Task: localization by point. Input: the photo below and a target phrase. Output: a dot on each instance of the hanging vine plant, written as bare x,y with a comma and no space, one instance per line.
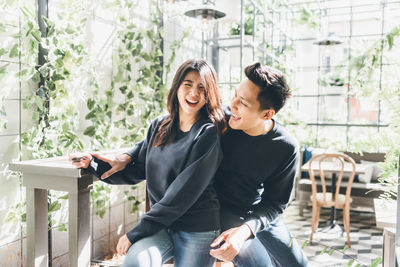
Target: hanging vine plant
53,103
140,77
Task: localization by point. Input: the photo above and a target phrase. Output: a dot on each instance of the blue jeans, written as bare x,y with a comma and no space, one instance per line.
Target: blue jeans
187,249
269,247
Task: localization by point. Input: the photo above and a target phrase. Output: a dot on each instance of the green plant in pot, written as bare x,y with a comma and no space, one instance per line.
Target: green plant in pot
248,23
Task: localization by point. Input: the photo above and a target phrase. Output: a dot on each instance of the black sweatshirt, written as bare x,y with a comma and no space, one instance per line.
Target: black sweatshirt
179,180
256,176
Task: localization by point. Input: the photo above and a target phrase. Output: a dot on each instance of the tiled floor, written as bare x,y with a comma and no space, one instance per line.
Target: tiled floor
327,249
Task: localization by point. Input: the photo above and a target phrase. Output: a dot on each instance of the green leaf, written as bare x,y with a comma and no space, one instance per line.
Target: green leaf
22,73
324,250
376,262
90,131
291,241
350,263
304,244
101,213
37,35
14,51
123,89
52,86
11,217
65,126
61,228
56,205
3,70
90,115
135,52
146,57
149,34
90,103
3,51
130,95
44,70
2,27
389,38
66,196
57,77
59,52
344,249
331,252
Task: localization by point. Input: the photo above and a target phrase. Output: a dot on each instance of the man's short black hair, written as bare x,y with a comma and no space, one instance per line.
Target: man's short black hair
274,90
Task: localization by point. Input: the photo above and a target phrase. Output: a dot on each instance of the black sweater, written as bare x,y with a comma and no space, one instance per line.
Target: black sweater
179,180
256,176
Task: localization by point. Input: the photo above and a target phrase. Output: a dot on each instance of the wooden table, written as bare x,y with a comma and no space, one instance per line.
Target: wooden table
56,174
333,169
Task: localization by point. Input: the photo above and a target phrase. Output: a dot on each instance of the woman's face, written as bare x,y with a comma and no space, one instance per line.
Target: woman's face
191,95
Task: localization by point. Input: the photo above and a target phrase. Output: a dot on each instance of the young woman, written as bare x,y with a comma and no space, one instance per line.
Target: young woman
178,160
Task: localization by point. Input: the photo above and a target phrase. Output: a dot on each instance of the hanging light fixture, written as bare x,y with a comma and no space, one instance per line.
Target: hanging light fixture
207,13
327,38
327,41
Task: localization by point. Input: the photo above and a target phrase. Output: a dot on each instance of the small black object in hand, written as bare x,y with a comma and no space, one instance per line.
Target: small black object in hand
76,159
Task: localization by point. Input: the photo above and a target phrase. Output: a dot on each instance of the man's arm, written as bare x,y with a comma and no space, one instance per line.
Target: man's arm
276,195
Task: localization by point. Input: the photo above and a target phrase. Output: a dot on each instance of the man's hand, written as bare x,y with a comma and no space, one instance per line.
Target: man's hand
234,239
117,163
123,245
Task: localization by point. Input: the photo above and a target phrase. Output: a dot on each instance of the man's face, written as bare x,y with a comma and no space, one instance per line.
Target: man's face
245,108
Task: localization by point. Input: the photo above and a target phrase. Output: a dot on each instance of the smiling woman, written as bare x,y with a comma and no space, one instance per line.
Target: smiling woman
183,219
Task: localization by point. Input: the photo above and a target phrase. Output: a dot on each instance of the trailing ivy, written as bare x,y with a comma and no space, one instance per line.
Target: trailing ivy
140,78
54,104
362,69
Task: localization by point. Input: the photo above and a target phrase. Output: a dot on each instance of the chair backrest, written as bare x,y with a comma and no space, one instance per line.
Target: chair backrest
337,163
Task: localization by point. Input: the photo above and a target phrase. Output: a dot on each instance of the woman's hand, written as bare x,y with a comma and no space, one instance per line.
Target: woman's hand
117,163
123,245
80,159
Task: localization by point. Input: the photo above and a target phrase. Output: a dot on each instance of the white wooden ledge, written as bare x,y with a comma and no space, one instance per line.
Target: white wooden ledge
56,174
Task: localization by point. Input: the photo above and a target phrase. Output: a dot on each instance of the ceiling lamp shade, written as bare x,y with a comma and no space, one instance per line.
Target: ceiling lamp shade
207,13
330,39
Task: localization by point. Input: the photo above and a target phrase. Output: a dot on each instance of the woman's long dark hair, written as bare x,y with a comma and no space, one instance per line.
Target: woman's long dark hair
212,109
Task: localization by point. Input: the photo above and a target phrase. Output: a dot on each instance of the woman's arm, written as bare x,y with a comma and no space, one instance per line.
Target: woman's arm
187,187
134,172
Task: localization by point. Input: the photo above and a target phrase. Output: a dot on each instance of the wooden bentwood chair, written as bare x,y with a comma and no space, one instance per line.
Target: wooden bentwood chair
328,199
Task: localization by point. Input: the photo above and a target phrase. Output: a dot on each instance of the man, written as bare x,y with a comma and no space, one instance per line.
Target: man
255,179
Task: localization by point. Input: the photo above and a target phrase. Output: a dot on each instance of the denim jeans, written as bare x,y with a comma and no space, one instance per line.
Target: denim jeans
189,249
269,247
